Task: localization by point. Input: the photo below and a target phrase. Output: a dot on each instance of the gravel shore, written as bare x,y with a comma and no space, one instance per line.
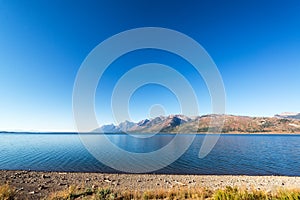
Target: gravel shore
36,185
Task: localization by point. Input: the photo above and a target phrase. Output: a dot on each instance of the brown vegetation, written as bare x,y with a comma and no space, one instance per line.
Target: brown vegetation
228,193
244,124
6,192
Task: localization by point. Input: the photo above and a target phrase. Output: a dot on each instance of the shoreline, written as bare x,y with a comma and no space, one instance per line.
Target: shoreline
37,184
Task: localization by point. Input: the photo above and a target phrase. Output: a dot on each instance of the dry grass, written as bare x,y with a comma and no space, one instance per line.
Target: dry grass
106,193
6,192
237,194
288,194
71,193
229,193
179,193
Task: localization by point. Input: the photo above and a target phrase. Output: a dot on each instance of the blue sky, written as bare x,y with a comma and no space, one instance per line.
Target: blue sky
255,45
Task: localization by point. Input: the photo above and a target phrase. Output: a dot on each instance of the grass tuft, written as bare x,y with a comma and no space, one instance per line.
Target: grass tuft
7,192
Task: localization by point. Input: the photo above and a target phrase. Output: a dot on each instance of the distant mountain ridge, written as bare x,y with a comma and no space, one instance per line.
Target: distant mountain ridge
201,124
157,124
288,115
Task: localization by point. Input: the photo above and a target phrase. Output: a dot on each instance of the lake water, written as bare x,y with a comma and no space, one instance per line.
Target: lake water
233,154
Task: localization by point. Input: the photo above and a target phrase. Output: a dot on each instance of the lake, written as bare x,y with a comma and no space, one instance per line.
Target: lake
233,154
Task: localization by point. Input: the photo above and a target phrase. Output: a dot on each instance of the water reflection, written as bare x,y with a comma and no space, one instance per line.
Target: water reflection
233,154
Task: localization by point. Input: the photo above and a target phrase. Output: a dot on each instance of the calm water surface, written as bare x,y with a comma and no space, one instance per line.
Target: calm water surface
233,154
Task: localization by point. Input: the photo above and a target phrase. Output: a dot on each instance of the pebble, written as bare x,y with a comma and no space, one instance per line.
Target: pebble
45,176
42,187
94,187
107,181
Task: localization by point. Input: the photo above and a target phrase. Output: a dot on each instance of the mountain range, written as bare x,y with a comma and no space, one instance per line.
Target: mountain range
288,115
280,123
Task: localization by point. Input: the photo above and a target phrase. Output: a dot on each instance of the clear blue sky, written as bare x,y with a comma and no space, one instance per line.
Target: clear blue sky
255,44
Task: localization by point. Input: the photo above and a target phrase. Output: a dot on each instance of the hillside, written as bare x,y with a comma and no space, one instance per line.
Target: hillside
288,115
201,124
